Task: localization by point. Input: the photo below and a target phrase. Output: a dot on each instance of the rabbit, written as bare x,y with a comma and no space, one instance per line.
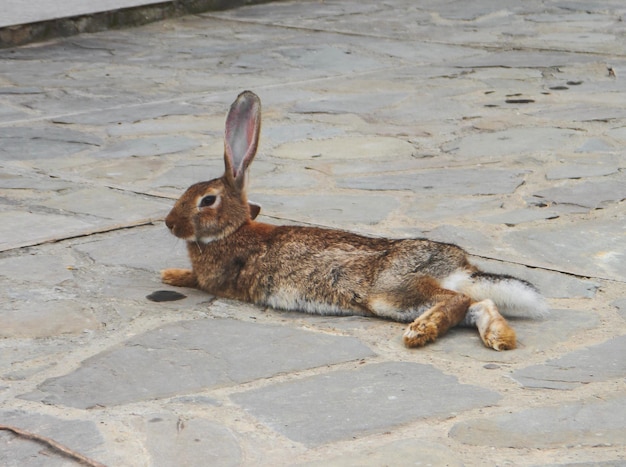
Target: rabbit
430,285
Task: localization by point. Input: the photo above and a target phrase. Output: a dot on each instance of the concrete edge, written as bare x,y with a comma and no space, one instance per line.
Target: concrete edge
17,35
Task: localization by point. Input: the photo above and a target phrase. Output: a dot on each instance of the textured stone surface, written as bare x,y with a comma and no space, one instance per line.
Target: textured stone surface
45,318
591,248
20,228
155,146
190,356
592,194
448,181
329,209
592,423
596,363
499,127
419,451
173,440
78,435
353,403
141,247
532,336
515,141
551,283
109,204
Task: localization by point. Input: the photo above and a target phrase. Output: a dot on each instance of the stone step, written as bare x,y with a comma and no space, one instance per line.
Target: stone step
25,22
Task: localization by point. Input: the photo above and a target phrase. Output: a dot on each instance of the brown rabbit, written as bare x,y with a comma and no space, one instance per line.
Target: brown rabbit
330,272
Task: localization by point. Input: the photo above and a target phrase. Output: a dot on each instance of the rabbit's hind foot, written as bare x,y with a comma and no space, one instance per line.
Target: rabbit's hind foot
435,322
494,330
179,277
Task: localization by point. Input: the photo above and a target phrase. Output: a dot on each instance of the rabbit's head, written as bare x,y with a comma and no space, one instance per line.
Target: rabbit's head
212,210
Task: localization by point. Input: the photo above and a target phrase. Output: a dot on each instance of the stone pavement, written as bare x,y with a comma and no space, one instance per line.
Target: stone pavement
497,126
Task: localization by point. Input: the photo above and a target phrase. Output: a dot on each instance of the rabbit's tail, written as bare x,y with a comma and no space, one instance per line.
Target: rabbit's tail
514,297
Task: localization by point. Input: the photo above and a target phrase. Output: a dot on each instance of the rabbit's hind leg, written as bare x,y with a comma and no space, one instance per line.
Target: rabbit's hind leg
494,331
179,277
448,311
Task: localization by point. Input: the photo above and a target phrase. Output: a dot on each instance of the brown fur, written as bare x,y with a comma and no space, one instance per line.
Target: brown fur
312,269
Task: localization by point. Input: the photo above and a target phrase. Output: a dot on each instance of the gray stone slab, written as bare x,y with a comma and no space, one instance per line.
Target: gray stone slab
28,317
589,423
354,148
590,194
343,210
191,356
521,216
442,208
21,228
588,248
512,141
442,181
576,167
184,175
600,362
44,269
127,114
356,103
469,239
582,169
170,125
551,284
80,435
369,399
403,452
21,359
172,440
584,113
134,174
284,132
106,203
526,59
420,53
298,178
121,284
153,146
151,248
32,143
30,182
288,10
331,58
532,336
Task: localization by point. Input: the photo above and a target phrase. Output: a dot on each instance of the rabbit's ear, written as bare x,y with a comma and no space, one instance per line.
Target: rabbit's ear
243,125
255,209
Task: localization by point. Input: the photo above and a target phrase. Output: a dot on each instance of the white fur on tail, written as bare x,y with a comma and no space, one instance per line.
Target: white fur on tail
513,297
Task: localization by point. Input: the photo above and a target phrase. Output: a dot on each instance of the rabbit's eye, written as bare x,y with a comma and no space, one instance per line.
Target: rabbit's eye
208,201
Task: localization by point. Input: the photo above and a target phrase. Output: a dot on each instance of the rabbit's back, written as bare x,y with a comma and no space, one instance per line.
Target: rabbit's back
317,270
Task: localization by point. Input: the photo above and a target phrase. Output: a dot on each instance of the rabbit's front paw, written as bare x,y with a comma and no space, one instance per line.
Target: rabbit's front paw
179,277
419,333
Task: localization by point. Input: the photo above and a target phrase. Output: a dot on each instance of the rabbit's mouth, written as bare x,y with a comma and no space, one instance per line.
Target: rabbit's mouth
179,229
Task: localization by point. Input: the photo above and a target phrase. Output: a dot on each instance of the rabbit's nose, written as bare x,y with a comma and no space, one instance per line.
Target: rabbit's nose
169,222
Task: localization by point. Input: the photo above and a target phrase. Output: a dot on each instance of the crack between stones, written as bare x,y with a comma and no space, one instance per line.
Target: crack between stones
546,268
193,97
116,228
